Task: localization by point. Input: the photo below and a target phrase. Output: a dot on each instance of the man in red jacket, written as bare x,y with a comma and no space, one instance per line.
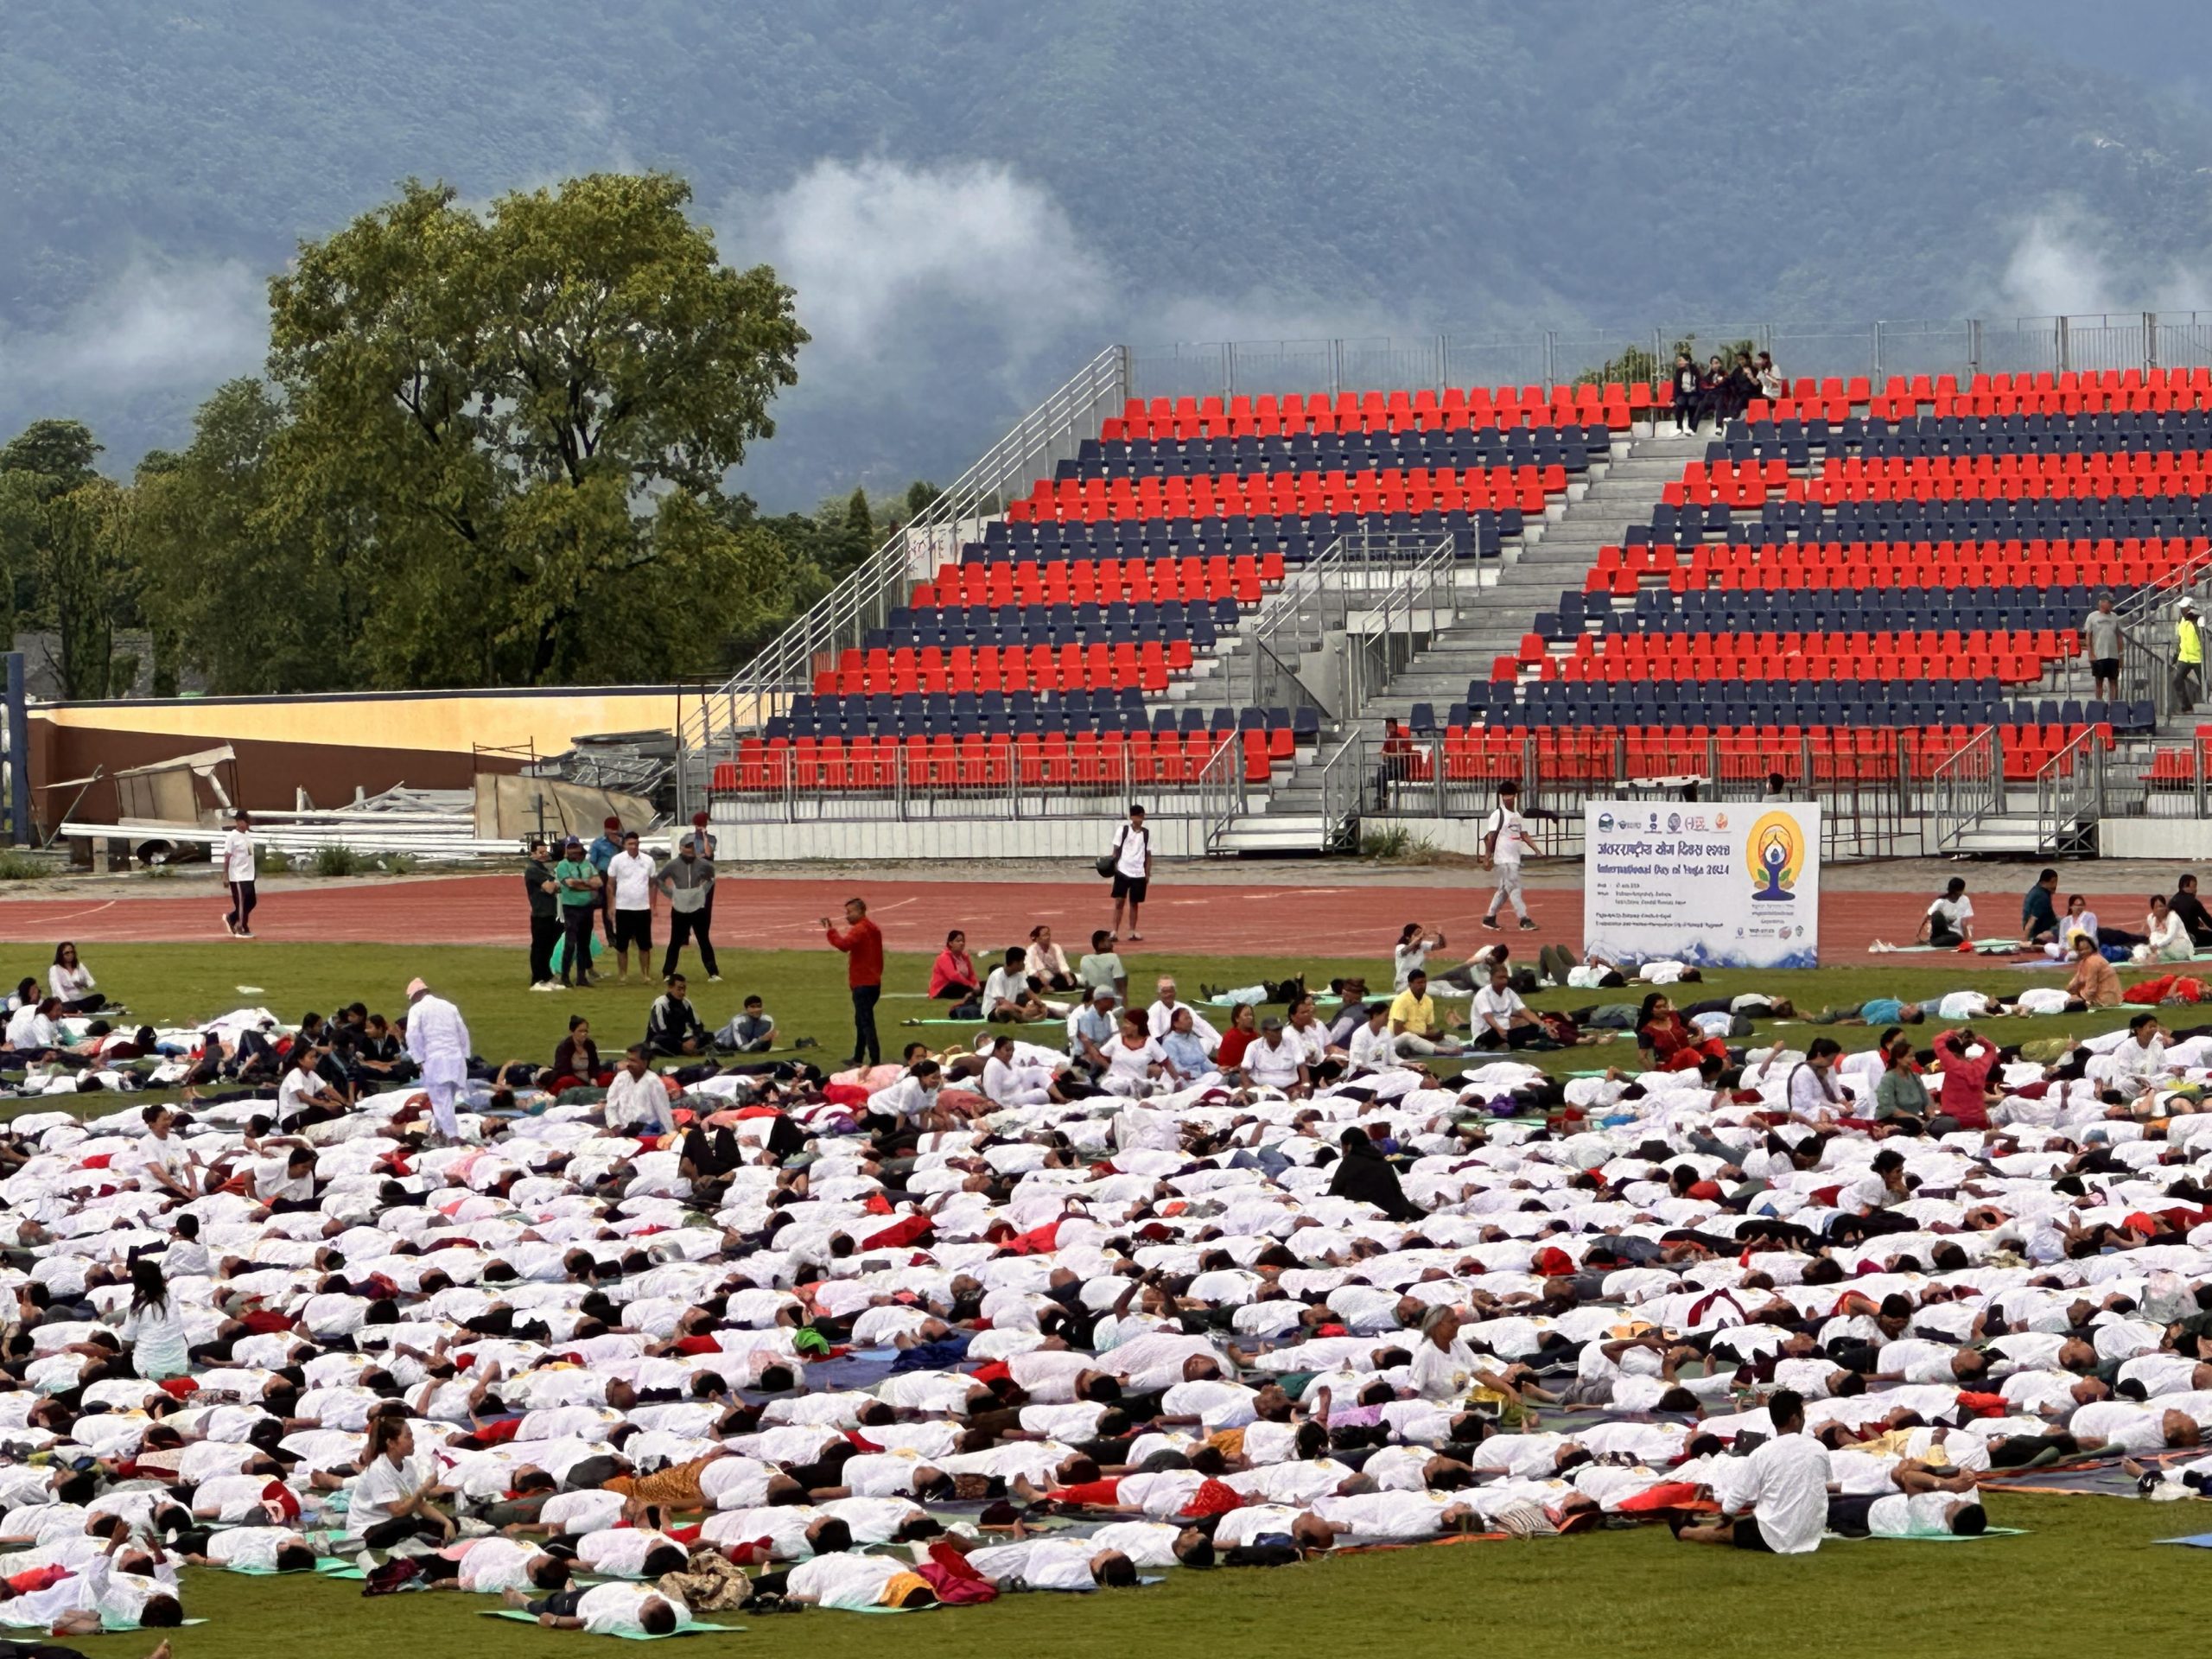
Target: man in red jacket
862,943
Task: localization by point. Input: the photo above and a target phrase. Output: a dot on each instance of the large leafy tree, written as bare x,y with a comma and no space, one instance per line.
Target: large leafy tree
511,428
65,542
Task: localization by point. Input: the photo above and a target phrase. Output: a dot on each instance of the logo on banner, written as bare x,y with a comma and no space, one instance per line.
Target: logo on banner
1777,855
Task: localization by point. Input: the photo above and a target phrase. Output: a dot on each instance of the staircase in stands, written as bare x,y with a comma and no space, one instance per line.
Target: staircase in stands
1528,577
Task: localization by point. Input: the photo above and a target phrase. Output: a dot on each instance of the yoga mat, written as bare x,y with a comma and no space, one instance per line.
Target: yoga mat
2195,1541
518,1614
1947,1537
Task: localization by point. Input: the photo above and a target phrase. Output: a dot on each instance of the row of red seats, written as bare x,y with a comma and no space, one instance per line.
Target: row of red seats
2058,464
1090,761
1666,645
1233,495
1605,754
1893,565
1615,406
2012,667
1147,664
1102,582
1735,483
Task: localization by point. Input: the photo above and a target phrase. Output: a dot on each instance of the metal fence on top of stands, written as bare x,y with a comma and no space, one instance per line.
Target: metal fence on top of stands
1867,793
1874,349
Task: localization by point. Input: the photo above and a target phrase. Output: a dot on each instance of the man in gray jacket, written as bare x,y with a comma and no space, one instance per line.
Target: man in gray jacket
689,880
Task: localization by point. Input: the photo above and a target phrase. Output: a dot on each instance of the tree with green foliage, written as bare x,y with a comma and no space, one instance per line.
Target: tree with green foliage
65,535
510,429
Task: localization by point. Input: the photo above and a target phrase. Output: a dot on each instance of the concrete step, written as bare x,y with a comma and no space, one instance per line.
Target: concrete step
1274,833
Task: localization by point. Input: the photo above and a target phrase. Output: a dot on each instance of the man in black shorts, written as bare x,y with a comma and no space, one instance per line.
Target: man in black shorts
1132,857
2100,644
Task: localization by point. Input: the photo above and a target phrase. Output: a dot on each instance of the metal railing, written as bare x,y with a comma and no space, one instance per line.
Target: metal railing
1343,624
1052,432
1867,794
2070,797
1968,788
1003,782
1220,792
2158,779
1873,350
1342,784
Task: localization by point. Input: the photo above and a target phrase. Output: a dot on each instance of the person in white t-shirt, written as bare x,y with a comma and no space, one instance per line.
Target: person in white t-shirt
1778,1502
1132,857
608,1609
1502,1019
1411,951
238,871
630,878
1505,837
1950,920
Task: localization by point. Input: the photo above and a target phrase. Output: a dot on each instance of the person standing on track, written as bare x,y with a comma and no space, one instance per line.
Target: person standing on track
1505,837
581,883
238,870
437,1041
602,853
689,880
544,895
862,943
1132,870
630,876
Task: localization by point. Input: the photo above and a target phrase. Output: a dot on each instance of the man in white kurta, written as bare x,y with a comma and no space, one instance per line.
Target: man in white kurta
437,1040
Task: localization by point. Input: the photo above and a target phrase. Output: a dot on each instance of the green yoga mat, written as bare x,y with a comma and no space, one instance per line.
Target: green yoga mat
1930,1537
518,1614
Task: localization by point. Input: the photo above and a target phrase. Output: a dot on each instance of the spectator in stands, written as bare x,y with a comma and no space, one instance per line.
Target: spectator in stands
2186,905
1743,386
1771,385
2188,658
1046,962
1132,870
1712,392
952,976
2039,910
1689,393
1950,920
2101,642
1777,787
862,943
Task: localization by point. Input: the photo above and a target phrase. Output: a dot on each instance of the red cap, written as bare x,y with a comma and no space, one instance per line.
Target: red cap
698,820
612,824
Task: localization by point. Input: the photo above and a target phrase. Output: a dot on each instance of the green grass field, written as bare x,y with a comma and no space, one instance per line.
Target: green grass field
2088,1561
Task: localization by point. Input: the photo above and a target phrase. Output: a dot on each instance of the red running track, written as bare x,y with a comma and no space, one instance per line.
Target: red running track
1194,919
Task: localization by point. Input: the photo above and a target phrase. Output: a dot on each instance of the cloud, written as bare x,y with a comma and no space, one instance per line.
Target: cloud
2063,263
157,326
878,249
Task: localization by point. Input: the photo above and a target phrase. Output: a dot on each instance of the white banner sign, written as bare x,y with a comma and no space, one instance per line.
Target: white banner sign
1713,884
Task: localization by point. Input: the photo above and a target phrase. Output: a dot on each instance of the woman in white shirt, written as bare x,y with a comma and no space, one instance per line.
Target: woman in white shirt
1046,962
1415,943
71,980
391,1500
1373,1048
2168,935
31,1031
153,1328
1132,1061
1950,920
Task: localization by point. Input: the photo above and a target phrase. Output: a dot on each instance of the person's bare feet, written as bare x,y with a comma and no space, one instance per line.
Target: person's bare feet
161,1652
514,1597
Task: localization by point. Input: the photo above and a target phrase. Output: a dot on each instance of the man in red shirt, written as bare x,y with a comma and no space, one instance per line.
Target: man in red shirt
1965,1099
862,943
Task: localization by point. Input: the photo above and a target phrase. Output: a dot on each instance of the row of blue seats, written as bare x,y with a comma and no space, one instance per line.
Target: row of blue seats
1866,610
2021,711
1952,434
1330,452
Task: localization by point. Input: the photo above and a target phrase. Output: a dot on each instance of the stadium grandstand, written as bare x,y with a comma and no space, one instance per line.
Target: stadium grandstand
1279,618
